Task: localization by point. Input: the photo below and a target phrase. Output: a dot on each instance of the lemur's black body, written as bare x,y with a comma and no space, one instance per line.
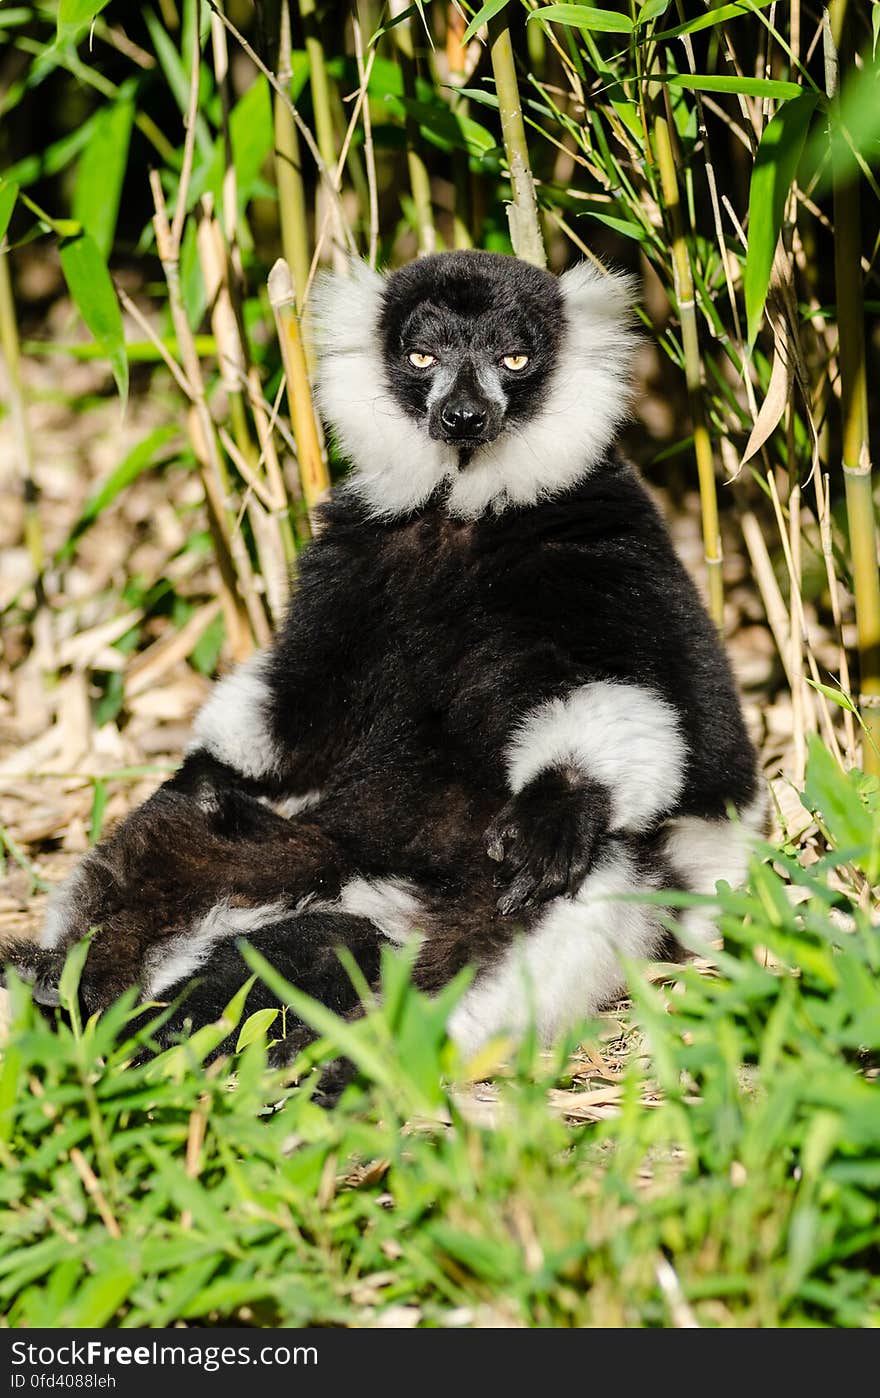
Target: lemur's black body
391,709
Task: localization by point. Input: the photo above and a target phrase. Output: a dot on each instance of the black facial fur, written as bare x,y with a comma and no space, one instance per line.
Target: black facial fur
468,311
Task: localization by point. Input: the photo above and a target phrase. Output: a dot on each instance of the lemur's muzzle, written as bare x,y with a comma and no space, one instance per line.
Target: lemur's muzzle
465,416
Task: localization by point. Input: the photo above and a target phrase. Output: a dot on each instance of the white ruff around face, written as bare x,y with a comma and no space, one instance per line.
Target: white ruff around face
397,466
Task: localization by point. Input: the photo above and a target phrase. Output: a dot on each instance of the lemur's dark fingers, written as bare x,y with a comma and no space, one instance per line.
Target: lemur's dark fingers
514,900
501,833
494,846
46,991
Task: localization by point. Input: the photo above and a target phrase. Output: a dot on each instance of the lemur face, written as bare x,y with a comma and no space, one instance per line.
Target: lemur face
469,342
471,380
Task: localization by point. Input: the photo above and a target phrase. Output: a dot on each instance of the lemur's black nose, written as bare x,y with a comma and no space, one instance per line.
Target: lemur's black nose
463,420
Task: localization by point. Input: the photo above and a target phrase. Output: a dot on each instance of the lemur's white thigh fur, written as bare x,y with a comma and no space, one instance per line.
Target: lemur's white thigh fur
708,852
61,912
567,967
178,958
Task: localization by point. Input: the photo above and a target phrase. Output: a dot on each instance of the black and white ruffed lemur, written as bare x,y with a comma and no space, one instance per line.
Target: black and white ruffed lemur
496,704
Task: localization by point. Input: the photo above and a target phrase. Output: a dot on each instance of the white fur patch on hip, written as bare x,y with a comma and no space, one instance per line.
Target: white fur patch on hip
178,958
707,852
568,967
625,736
390,904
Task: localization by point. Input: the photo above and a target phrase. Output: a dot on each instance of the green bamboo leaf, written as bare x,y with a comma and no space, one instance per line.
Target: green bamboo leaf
344,1036
833,794
100,173
11,1076
257,1024
410,12
651,9
99,806
443,127
88,280
774,170
251,133
68,986
837,696
489,11
720,15
8,196
855,128
715,82
585,17
74,15
177,75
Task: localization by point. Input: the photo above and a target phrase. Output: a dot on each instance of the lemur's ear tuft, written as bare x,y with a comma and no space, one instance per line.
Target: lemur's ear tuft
594,293
344,309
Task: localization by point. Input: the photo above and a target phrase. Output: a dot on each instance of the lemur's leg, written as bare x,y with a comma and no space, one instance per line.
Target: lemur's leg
171,868
562,964
209,838
206,967
608,758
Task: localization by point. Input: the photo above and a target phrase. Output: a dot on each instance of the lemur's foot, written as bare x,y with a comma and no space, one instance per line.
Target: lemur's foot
544,840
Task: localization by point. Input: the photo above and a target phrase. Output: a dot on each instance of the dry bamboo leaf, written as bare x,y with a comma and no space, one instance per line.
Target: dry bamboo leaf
773,406
151,664
81,649
182,697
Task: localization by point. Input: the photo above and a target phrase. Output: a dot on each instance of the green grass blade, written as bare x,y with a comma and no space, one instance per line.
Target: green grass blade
88,280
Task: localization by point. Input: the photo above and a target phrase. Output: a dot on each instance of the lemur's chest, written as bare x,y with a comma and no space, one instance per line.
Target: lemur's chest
437,580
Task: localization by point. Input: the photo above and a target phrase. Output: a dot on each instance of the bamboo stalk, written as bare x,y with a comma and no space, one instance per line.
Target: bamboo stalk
687,313
312,466
822,491
522,213
304,131
274,476
322,108
9,345
857,474
419,178
288,171
369,151
456,59
230,184
242,607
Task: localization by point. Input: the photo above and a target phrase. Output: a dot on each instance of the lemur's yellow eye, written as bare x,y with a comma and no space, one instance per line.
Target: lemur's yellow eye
515,361
422,361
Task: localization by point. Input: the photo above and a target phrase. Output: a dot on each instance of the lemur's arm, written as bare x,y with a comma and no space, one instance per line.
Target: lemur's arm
605,757
642,722
271,727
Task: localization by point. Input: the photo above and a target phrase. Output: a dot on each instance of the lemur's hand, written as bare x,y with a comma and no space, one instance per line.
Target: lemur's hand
545,838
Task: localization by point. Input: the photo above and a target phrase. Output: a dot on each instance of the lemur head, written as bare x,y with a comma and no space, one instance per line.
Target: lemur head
468,342
473,371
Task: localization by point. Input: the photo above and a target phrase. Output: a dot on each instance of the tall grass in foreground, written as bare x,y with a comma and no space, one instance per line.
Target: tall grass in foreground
731,1178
